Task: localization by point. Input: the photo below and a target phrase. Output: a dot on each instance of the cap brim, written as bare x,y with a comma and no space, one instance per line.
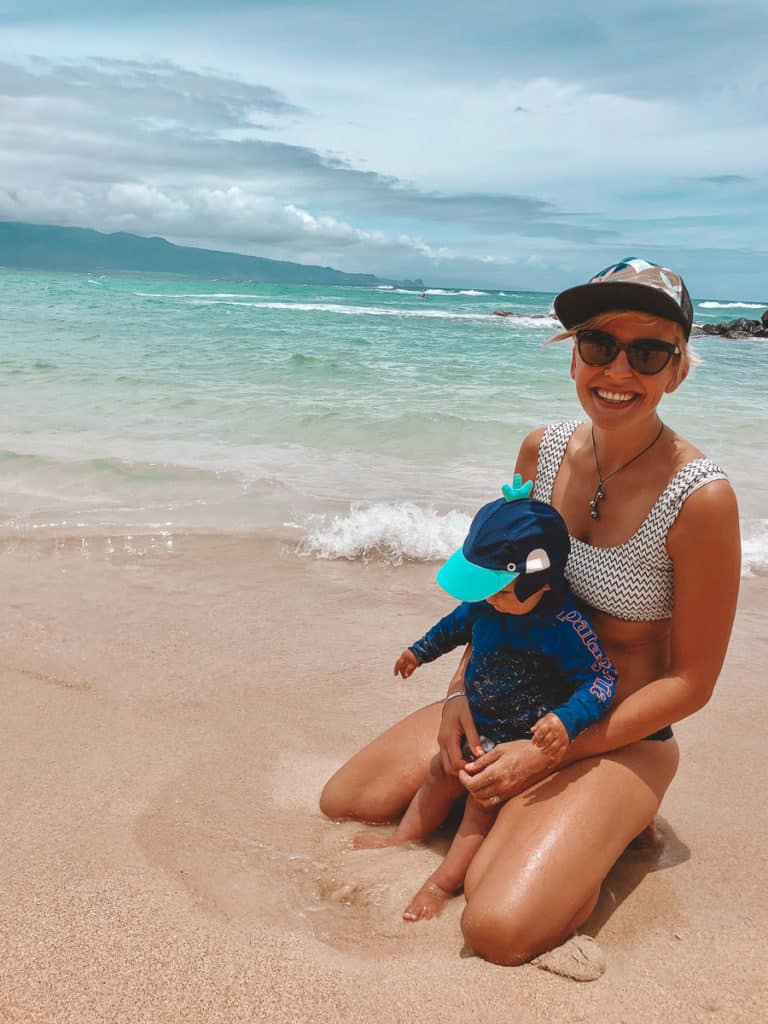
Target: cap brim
466,581
576,305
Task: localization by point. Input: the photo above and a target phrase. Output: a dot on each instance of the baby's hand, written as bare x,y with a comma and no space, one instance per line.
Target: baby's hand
406,664
550,734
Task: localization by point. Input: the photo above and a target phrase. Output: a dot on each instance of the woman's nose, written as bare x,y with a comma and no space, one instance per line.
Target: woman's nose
620,368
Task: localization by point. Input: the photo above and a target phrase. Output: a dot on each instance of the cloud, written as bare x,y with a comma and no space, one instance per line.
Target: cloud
232,217
149,137
393,144
724,179
154,93
652,50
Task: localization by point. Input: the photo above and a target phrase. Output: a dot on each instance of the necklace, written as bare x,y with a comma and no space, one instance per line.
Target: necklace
599,493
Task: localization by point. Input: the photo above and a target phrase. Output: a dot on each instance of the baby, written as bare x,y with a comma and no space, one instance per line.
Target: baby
536,668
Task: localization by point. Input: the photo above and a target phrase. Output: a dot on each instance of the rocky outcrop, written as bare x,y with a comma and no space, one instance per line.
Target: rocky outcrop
739,328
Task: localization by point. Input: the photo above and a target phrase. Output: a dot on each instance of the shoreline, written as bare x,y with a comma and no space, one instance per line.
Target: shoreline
168,725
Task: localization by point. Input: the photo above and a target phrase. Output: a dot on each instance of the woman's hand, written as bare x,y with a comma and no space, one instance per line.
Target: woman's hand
507,770
456,723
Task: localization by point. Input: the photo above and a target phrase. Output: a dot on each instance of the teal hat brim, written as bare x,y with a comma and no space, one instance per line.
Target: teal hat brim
466,581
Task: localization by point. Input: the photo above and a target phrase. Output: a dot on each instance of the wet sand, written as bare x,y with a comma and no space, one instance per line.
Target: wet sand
168,721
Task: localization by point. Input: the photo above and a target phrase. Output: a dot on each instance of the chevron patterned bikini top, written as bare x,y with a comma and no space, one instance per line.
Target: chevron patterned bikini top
632,581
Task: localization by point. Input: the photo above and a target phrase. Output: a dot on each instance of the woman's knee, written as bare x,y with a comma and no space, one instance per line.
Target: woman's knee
499,936
508,936
369,800
515,925
334,801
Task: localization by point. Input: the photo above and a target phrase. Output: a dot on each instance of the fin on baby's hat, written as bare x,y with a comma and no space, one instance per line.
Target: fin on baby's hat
518,489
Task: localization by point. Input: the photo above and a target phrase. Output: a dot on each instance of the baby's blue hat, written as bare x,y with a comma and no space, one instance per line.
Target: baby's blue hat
512,538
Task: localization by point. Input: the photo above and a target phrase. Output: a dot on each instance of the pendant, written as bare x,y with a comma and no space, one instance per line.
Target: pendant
594,504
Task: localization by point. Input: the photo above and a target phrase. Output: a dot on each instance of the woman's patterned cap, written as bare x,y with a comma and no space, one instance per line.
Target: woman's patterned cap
633,284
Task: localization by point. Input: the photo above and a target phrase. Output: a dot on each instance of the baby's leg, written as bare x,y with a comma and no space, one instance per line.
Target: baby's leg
429,808
449,877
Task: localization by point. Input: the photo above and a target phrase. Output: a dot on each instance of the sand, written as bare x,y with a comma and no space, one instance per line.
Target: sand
168,721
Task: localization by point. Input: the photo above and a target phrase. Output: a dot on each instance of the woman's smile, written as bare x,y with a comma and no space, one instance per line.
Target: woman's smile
612,397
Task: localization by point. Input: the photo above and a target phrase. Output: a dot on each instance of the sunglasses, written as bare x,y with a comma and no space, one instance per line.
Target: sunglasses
646,355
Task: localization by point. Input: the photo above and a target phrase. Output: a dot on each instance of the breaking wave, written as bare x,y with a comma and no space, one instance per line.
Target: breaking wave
403,532
406,532
731,305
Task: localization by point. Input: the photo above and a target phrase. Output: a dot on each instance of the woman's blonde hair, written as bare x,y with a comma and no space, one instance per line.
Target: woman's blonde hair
684,362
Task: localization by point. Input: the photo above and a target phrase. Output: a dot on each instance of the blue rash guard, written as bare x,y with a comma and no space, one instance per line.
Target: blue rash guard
524,666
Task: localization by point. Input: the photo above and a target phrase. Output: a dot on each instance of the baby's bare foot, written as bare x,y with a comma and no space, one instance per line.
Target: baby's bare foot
370,841
428,902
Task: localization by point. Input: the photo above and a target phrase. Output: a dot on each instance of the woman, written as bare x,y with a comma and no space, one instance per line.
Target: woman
656,560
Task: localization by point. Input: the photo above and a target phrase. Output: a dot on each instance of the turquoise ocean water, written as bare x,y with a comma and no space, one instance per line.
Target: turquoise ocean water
364,422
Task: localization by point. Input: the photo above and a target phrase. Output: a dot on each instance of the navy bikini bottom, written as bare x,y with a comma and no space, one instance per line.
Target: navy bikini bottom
663,734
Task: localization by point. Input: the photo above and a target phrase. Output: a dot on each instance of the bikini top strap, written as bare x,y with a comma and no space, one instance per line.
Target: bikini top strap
690,478
551,452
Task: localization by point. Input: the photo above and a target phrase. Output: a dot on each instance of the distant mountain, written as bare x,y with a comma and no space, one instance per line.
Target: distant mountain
42,247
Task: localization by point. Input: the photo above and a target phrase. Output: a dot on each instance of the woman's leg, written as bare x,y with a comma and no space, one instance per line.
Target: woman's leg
378,783
537,876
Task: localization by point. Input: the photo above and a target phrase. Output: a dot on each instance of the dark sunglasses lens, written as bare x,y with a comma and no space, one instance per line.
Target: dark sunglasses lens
596,348
649,356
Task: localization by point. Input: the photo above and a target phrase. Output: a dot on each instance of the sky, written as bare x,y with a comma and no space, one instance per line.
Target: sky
497,144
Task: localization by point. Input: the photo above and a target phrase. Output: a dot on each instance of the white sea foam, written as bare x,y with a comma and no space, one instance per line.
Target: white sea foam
405,532
754,546
389,533
731,305
199,295
446,291
430,291
330,307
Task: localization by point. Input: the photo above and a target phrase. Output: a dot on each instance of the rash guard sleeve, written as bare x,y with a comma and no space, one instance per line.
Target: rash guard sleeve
586,666
452,631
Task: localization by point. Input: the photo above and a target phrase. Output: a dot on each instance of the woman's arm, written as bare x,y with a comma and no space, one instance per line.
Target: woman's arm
704,545
457,722
528,456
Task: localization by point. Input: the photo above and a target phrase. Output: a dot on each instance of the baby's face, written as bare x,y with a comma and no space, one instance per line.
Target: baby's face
506,600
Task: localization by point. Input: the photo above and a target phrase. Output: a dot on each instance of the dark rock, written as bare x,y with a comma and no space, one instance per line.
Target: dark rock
742,324
741,327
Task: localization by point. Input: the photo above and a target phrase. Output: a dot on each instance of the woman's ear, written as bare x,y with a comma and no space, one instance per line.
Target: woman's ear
573,363
676,380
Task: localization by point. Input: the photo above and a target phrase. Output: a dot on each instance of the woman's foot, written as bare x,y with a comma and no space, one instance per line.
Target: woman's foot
370,841
651,838
579,958
428,902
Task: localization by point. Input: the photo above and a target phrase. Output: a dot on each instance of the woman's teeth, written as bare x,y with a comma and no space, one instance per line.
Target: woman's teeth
615,396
